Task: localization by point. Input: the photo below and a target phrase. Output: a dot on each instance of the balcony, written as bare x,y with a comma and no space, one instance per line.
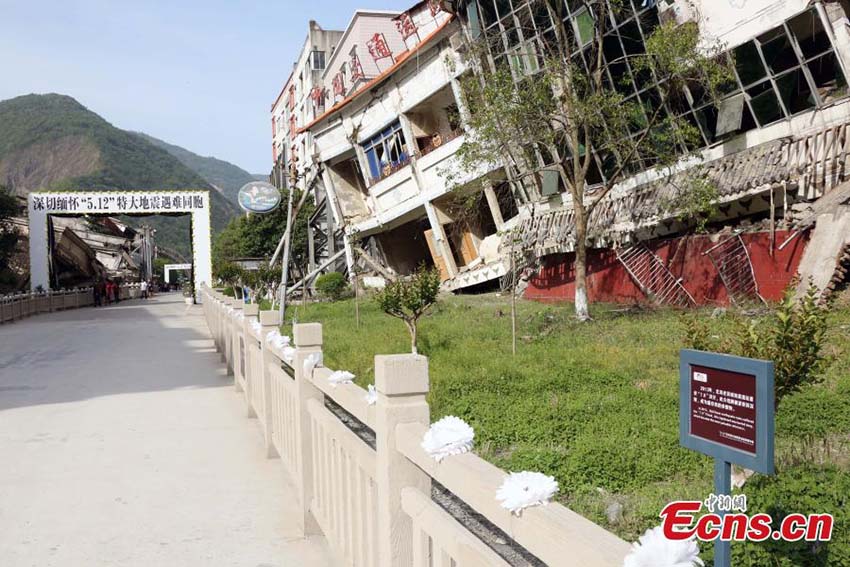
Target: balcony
393,190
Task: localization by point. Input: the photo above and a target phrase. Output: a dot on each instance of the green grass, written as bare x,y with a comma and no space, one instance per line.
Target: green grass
596,405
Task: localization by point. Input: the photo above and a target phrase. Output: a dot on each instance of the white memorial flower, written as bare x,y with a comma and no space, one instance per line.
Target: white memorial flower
288,353
340,377
371,395
525,489
312,361
654,550
258,328
449,436
275,339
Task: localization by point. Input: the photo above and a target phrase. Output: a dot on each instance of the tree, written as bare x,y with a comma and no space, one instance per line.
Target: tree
256,235
408,299
266,280
567,120
9,207
227,272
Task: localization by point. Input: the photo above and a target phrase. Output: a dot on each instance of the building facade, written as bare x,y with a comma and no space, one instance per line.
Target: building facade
774,145
382,144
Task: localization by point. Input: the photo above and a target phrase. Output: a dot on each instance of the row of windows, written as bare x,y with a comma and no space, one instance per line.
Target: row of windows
787,70
386,150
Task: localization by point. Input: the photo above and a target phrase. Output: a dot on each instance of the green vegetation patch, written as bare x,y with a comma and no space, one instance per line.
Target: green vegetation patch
596,405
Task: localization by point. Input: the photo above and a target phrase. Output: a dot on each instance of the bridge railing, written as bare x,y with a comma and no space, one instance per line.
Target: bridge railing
16,306
361,476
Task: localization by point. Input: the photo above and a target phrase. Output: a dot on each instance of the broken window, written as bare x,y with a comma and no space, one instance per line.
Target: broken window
503,7
777,50
549,182
523,60
786,70
474,25
541,16
385,151
730,114
795,91
828,77
488,13
807,28
748,63
584,26
764,103
318,60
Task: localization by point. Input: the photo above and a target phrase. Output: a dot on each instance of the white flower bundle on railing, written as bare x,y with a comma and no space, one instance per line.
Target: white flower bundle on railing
654,550
525,489
448,436
371,395
338,377
258,328
274,338
312,361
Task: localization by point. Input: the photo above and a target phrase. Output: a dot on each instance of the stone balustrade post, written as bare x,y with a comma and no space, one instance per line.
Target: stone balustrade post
250,374
308,340
215,321
218,310
402,383
235,336
269,320
227,334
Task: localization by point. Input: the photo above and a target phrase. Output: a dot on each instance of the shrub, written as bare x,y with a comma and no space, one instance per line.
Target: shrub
408,299
806,489
793,336
332,285
228,273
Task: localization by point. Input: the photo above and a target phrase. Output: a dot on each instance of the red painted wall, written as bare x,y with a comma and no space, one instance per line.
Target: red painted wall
608,280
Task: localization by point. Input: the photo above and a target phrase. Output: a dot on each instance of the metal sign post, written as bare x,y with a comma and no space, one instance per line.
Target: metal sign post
726,411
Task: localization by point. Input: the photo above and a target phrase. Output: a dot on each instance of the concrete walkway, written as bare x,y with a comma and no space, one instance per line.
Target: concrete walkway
123,443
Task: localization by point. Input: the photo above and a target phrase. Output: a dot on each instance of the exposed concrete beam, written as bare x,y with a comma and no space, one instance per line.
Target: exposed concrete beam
441,239
375,265
493,203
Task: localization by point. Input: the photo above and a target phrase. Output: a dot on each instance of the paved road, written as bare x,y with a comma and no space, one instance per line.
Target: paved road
122,443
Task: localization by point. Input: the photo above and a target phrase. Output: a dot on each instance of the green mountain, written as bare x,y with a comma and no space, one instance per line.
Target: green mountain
53,142
222,175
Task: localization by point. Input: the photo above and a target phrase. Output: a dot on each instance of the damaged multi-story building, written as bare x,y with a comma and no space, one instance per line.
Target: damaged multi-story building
774,145
383,146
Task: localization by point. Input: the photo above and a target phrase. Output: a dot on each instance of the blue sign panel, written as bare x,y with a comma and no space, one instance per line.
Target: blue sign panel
726,408
259,197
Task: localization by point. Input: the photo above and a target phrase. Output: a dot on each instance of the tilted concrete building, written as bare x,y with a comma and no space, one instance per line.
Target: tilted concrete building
775,146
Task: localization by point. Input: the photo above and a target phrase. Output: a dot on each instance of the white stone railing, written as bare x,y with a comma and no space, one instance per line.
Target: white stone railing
22,305
361,476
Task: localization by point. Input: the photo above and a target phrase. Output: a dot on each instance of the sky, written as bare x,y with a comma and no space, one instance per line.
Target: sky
202,75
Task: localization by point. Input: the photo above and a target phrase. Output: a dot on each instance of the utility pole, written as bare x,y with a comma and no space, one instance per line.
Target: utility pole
287,243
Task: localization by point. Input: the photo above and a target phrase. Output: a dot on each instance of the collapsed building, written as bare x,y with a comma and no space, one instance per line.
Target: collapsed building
380,151
83,250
